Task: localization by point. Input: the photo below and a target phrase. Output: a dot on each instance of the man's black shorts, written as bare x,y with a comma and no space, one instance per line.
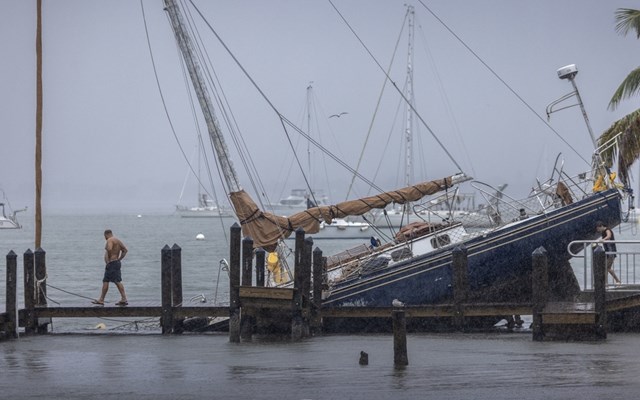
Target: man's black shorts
112,272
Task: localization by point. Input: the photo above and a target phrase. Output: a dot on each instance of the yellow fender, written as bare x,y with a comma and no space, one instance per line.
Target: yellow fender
273,265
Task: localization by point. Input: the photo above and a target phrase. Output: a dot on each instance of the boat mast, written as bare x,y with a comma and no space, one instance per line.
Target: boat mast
195,72
38,156
408,173
309,93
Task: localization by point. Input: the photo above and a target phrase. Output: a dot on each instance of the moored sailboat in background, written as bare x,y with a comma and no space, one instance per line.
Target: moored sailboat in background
9,221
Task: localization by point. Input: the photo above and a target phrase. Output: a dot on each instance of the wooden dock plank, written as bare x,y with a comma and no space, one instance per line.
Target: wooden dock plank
569,319
128,311
266,292
438,310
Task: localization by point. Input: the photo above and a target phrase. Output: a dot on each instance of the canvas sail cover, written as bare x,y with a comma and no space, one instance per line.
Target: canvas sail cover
266,229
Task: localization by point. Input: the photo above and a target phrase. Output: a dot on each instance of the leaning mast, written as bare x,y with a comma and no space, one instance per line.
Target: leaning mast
195,72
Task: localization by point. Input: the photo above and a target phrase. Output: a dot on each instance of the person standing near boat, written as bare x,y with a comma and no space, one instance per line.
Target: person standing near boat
609,247
115,251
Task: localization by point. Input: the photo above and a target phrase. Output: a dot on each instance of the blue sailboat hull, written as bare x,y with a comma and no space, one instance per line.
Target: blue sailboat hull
495,259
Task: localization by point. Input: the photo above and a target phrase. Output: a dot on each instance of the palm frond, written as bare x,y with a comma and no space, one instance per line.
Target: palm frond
628,144
629,87
628,19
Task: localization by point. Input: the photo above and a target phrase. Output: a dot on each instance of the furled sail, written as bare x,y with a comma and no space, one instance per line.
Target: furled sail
266,229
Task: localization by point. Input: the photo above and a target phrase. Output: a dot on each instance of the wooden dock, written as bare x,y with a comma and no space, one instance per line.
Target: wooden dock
297,311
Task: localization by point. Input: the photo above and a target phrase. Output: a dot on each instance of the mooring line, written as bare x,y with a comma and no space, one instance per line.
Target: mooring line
66,291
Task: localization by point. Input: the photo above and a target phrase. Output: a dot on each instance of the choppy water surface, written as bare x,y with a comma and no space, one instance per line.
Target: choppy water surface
453,366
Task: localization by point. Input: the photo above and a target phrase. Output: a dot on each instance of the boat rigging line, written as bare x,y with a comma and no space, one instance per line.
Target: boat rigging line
284,120
494,73
417,114
172,127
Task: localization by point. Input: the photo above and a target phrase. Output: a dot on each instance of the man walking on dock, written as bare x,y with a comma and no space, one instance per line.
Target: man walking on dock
115,251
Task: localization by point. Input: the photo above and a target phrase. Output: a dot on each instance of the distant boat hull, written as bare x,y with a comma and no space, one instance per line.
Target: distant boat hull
503,255
207,212
6,223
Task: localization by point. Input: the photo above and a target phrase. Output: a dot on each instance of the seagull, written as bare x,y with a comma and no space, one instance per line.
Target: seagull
397,303
338,115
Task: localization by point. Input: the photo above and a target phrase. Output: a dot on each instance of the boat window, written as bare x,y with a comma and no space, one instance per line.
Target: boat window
440,240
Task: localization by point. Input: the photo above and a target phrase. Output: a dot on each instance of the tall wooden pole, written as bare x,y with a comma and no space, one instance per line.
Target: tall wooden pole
38,125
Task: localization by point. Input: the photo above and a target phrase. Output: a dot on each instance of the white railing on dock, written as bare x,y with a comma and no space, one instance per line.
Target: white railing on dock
627,253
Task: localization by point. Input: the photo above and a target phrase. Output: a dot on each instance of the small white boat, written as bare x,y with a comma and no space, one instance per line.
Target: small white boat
11,221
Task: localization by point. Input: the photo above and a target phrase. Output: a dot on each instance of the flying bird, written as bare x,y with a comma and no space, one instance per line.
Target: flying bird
338,115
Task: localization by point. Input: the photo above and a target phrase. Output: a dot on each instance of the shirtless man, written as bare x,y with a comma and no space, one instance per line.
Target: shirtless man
115,251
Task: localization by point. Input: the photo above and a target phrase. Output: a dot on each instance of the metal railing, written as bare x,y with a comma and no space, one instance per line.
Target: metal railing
627,253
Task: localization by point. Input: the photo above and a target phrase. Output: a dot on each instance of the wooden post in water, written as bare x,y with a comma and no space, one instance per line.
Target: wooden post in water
176,286
400,357
246,317
298,278
599,265
29,292
234,283
460,266
260,266
11,305
165,283
307,254
540,290
316,300
41,286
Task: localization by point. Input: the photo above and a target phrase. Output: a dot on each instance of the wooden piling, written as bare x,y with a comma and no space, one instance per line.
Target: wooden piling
29,292
599,266
319,263
307,261
11,305
165,283
400,357
460,266
298,277
234,283
540,290
40,268
176,286
246,317
260,266
41,276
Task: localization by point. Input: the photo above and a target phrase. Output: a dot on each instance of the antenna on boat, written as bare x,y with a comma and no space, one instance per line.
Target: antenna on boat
569,72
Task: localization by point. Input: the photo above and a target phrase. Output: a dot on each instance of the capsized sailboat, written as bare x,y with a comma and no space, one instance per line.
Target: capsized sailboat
416,266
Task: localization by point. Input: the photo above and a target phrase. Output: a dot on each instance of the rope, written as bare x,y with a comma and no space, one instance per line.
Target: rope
523,101
71,293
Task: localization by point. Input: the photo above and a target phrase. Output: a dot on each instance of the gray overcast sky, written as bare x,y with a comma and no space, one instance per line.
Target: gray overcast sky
108,146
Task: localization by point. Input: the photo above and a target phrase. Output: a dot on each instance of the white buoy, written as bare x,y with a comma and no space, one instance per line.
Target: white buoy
139,215
199,236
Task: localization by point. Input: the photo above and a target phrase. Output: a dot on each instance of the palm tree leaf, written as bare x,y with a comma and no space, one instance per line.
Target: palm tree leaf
627,20
628,144
629,86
